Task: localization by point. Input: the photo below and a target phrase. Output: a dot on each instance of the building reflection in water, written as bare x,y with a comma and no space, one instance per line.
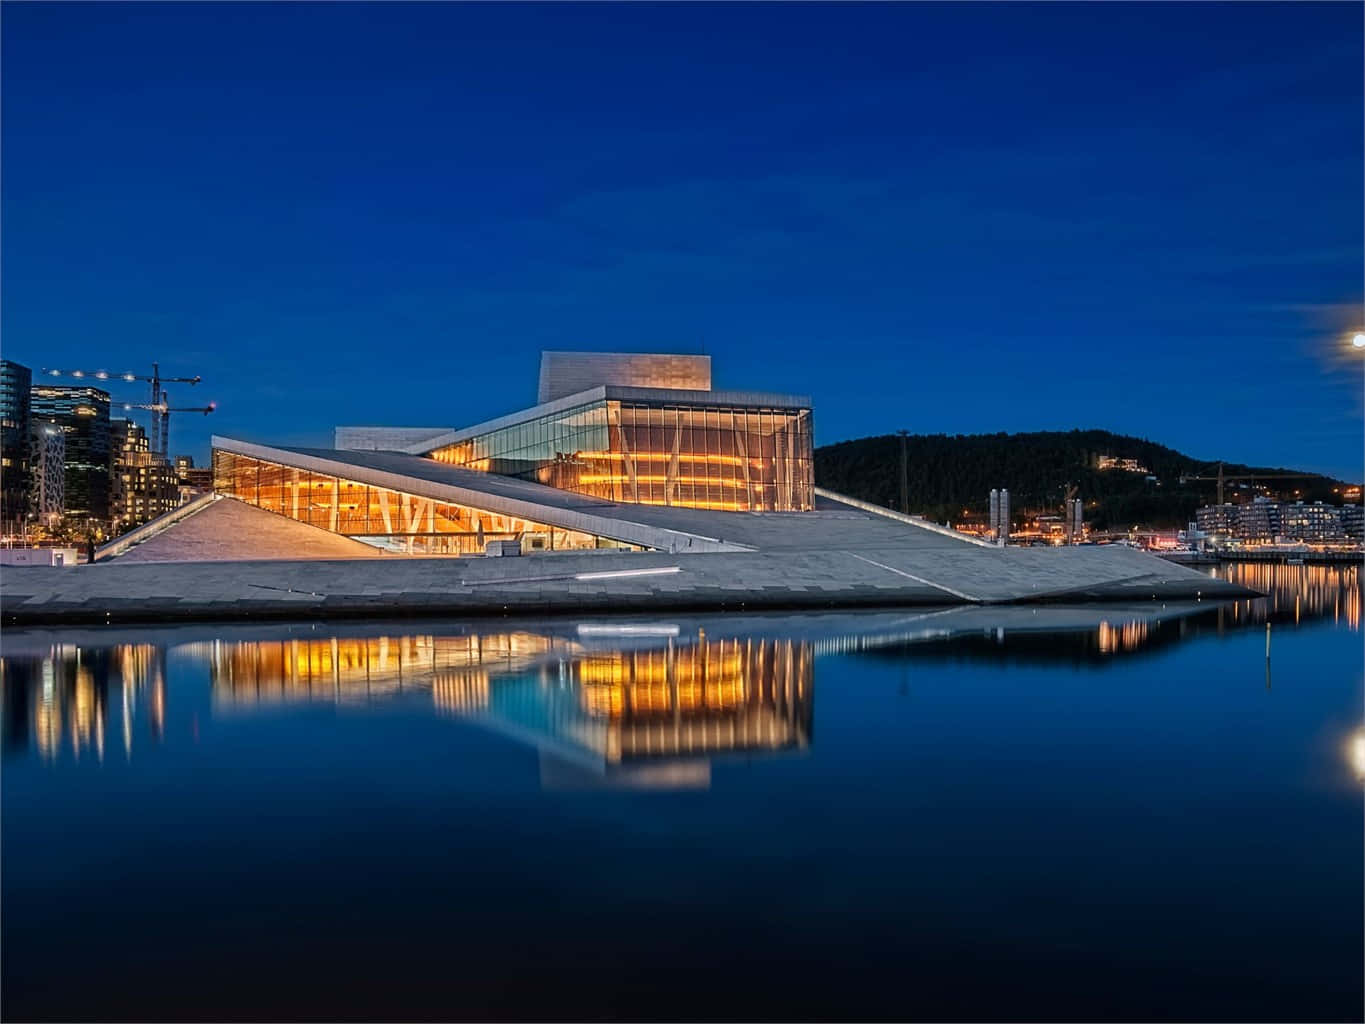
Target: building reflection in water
1115,638
1294,593
582,706
70,697
618,705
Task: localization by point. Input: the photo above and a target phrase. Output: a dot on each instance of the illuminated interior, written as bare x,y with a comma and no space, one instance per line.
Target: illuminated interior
394,521
728,458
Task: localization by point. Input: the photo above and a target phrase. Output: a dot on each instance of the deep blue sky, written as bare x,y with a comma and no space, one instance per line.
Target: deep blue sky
943,218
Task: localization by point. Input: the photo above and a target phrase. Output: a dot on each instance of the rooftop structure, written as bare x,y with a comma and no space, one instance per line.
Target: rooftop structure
568,373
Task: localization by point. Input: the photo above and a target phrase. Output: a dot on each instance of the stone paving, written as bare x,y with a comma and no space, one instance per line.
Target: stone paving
234,561
230,531
906,568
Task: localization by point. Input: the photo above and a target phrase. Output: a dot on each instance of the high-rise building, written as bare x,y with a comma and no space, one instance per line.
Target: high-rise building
82,414
48,461
144,484
15,467
191,478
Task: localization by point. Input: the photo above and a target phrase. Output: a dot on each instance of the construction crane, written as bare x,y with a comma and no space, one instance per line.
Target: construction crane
1248,476
159,441
161,422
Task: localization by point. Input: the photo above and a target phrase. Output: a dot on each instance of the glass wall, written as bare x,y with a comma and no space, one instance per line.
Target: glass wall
737,459
543,449
391,520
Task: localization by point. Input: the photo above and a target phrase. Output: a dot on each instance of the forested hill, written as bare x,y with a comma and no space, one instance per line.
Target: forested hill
950,473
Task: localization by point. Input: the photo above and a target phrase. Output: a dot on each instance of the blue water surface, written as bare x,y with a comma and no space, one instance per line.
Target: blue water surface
974,814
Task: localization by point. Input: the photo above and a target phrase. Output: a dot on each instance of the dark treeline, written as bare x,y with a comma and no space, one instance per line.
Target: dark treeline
950,473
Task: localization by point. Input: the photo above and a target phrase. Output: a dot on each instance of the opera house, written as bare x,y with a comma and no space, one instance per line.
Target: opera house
631,483
610,428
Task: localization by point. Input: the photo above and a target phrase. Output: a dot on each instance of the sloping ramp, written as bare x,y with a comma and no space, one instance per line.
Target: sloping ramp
227,530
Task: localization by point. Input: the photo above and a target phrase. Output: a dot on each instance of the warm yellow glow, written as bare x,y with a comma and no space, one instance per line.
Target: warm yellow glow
641,478
712,460
712,676
588,452
1357,754
724,506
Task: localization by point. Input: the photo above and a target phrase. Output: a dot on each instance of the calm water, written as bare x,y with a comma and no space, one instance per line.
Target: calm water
968,814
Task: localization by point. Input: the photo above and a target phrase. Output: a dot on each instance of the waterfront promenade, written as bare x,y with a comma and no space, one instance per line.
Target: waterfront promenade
834,558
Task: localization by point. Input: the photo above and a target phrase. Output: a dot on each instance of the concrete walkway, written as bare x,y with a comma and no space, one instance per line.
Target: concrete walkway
902,570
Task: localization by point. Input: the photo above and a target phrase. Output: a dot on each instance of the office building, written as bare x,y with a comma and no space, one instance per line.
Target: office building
190,478
48,462
144,484
82,414
15,426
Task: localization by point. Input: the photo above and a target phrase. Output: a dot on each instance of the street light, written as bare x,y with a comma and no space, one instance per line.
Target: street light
1358,340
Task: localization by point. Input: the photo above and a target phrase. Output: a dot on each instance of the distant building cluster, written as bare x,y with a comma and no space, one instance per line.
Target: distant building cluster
1108,462
66,460
1267,521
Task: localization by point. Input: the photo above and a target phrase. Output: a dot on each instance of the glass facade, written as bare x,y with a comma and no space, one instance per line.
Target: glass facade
15,463
695,456
391,520
82,413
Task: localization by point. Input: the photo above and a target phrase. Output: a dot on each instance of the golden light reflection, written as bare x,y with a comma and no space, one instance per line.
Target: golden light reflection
670,697
1296,592
70,695
681,700
1126,636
